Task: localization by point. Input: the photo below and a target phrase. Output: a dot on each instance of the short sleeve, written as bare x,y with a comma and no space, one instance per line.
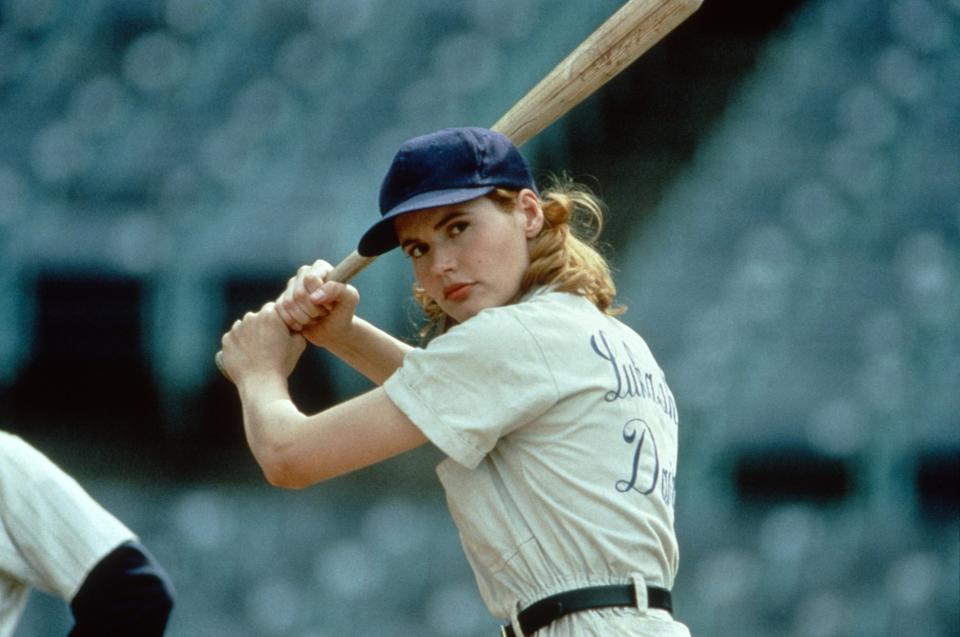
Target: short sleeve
478,382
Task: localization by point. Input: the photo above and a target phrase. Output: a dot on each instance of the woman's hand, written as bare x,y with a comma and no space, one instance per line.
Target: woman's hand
260,346
322,311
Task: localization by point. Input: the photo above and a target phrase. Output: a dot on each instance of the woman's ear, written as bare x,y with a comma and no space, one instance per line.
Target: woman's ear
528,203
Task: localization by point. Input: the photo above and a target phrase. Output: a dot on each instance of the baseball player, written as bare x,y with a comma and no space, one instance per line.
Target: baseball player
56,538
558,425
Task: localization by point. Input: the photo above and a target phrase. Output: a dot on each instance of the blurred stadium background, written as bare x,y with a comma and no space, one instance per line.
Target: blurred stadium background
784,185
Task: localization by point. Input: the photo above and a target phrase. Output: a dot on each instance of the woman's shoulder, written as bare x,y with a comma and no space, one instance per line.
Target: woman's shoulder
541,315
559,317
548,305
544,313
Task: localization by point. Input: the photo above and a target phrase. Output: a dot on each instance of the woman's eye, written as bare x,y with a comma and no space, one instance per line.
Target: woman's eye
458,227
416,251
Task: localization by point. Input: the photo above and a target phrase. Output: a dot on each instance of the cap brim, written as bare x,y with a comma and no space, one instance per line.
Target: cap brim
381,237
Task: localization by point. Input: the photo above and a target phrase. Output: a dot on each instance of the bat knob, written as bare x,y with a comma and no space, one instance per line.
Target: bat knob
218,360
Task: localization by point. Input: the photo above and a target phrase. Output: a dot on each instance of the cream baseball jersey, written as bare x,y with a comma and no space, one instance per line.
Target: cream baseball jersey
561,436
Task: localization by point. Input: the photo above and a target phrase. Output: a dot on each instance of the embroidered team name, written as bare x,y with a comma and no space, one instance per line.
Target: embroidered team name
647,474
637,433
629,381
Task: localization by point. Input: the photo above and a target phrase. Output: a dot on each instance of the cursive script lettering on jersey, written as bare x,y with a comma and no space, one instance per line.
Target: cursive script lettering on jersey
629,380
637,432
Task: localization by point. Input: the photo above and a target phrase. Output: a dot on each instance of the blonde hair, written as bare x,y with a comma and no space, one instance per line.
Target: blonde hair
565,254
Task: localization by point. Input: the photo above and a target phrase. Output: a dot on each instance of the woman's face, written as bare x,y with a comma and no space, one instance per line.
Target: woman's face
470,256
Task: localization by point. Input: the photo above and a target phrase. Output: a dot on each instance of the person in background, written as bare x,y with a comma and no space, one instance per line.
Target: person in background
558,425
56,538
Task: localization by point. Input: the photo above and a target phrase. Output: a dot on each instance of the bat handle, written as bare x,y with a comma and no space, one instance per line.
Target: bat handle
348,268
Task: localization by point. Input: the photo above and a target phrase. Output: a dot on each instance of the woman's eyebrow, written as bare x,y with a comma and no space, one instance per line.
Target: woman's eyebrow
445,219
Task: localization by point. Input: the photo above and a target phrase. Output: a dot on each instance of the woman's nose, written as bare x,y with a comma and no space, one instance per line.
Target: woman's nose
443,260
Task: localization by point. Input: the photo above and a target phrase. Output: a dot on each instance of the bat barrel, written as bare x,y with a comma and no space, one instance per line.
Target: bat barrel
614,45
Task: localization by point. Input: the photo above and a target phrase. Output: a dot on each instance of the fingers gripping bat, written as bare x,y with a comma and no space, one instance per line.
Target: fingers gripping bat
614,45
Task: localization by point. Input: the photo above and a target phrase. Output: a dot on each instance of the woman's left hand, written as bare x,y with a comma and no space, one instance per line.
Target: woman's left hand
260,345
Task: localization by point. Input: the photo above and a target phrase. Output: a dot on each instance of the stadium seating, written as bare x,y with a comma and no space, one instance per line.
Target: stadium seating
166,164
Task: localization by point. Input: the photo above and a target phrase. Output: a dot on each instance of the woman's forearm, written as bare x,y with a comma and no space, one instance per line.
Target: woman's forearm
371,351
271,423
295,450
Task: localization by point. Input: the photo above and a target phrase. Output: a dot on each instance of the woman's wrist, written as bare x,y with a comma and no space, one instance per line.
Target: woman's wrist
265,385
350,340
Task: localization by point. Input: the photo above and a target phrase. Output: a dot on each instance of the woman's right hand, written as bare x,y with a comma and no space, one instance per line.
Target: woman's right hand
322,311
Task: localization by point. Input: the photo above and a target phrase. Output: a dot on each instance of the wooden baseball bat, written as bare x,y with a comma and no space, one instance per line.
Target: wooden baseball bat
625,36
614,45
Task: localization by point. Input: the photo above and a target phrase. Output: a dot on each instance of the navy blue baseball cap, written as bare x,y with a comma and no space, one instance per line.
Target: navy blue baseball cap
445,167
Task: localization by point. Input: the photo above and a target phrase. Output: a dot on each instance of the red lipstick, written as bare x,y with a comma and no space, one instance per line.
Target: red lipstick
457,291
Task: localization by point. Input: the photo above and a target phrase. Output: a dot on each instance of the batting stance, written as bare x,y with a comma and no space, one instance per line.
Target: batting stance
558,425
56,538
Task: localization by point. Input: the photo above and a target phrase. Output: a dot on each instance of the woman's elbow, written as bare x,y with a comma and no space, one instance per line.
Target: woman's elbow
284,480
280,474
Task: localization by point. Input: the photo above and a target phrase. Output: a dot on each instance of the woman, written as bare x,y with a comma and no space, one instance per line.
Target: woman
560,430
